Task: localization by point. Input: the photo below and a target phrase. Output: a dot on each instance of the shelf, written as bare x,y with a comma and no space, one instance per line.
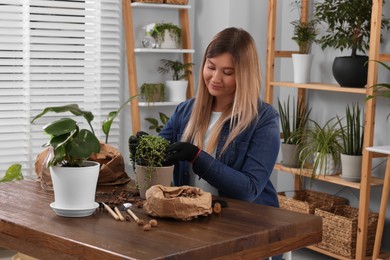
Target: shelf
148,50
320,86
336,179
157,104
167,6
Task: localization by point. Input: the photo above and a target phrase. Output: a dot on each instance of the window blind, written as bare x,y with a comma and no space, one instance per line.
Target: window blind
55,53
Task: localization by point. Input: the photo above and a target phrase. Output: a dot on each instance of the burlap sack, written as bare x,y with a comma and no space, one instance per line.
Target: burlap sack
184,202
112,167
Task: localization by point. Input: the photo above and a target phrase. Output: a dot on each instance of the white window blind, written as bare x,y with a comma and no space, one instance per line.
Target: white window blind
55,53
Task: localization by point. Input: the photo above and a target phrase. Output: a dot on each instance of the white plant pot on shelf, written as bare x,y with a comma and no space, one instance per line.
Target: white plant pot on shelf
351,167
168,42
326,166
176,90
302,67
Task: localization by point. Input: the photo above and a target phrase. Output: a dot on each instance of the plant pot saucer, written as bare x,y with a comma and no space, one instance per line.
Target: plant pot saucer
74,213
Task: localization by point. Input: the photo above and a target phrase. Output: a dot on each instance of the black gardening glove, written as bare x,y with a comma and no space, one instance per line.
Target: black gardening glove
133,143
182,152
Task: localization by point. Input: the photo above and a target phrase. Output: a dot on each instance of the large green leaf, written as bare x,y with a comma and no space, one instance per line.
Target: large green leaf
83,145
14,172
61,127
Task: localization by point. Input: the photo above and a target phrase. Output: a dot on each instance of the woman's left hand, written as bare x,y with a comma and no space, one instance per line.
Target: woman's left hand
182,151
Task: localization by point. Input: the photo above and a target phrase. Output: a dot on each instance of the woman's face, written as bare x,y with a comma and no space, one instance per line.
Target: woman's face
219,77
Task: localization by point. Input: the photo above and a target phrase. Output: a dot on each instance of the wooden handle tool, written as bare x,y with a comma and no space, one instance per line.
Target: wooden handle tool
113,214
136,219
117,211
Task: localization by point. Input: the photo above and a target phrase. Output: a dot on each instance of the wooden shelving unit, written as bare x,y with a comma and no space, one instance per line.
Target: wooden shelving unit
367,181
131,52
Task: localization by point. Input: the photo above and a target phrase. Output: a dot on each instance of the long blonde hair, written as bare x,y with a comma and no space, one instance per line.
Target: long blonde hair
244,108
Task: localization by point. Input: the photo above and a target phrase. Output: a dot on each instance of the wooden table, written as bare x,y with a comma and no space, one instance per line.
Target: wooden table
243,230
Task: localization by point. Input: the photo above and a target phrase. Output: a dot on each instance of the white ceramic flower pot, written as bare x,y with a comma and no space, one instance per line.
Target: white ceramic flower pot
147,177
302,67
351,167
176,90
75,187
326,166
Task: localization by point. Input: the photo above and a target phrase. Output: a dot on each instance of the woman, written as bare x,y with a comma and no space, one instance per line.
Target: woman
226,140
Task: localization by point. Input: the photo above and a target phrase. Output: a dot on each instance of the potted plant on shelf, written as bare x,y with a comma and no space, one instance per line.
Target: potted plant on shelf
322,143
150,162
292,126
304,34
348,27
74,175
352,136
177,86
152,92
167,35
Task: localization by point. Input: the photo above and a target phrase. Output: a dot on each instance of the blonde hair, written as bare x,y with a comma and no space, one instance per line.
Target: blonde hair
244,108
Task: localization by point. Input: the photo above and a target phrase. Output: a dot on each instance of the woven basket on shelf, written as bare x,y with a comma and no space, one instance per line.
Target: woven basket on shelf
176,2
149,1
339,230
306,201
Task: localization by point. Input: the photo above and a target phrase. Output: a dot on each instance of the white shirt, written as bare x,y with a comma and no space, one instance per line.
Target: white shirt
194,179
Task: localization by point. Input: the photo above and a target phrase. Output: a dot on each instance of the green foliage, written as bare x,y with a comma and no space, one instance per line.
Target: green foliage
353,132
14,172
382,89
304,33
323,140
349,24
158,32
155,125
150,151
293,124
72,145
148,91
177,69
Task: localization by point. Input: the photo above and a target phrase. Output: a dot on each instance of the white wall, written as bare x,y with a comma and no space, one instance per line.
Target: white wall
210,16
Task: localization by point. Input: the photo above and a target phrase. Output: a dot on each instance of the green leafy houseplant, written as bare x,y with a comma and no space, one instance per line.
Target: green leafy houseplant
150,151
349,24
14,172
293,124
154,123
178,69
152,92
71,145
159,30
324,143
352,132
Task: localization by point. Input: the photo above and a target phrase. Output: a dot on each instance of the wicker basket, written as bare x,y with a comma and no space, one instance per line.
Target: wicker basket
339,230
176,2
306,201
149,1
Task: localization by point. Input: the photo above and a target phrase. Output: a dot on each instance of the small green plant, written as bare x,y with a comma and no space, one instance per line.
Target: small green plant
14,172
293,124
154,123
304,33
159,30
352,132
323,140
150,151
71,145
177,69
152,92
349,24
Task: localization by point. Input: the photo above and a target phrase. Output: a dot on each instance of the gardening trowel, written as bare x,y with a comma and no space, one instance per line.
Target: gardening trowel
126,207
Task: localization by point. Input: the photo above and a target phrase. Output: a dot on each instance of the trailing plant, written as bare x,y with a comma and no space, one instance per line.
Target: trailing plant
305,32
177,69
352,133
71,145
323,140
159,30
154,123
348,24
150,151
382,89
293,124
14,172
149,91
